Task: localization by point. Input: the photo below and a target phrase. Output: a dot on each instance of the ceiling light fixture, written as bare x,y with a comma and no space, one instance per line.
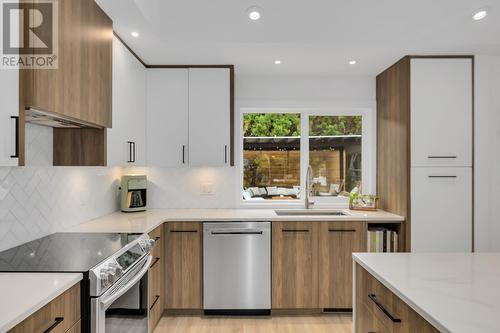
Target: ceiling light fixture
277,62
479,15
134,34
352,62
254,13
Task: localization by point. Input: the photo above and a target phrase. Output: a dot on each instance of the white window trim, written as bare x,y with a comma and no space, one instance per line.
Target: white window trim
368,152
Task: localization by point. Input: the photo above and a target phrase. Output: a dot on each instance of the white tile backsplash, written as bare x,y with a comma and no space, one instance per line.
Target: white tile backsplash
41,199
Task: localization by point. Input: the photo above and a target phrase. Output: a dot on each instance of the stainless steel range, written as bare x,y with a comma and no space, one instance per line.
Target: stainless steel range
114,289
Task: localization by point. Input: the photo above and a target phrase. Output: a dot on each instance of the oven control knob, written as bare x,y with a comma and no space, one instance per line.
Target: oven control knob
151,244
104,279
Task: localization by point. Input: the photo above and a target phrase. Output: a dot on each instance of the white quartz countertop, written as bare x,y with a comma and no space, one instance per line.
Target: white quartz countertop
22,294
457,293
141,222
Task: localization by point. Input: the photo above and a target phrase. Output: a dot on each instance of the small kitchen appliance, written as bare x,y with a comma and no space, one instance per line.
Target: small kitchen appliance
133,196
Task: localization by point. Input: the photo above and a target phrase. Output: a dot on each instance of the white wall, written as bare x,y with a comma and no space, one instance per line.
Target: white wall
181,187
487,153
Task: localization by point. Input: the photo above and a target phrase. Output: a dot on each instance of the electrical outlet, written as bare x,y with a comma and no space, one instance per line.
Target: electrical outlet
207,189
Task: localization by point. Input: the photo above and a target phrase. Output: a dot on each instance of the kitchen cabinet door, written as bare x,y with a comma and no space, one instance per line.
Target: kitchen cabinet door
167,117
209,116
441,112
337,242
9,107
295,265
441,209
127,138
183,265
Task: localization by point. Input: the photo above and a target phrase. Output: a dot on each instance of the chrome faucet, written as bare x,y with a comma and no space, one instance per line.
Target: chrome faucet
309,187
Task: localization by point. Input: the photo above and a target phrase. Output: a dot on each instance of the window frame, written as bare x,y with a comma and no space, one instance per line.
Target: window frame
368,153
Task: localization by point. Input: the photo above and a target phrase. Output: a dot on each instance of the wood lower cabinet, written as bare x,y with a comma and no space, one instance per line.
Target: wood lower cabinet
294,265
156,274
59,316
379,310
183,259
337,242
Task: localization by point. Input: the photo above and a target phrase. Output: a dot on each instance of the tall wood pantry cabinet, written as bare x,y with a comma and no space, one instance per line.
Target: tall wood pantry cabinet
424,147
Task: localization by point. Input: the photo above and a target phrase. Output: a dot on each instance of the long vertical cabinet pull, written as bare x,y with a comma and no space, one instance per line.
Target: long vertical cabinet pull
16,154
225,154
131,152
183,154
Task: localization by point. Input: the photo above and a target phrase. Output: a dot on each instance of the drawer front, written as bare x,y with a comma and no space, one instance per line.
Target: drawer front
58,316
390,310
157,235
367,322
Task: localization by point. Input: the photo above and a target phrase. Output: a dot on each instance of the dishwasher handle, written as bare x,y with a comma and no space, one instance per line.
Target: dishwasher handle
236,232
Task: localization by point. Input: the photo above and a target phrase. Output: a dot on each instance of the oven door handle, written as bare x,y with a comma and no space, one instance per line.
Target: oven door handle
107,301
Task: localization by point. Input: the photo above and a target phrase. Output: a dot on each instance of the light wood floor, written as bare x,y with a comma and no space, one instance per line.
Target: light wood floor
341,323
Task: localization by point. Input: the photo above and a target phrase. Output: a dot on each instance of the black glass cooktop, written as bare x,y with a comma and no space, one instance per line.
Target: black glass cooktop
62,252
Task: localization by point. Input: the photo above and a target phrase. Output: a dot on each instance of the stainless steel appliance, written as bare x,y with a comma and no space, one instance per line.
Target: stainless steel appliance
237,268
119,290
114,290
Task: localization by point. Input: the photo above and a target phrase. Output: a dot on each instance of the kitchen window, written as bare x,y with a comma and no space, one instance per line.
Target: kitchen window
279,146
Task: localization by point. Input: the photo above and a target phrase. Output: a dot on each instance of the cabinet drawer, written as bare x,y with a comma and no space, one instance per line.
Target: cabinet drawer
367,322
394,314
155,312
157,235
58,316
155,280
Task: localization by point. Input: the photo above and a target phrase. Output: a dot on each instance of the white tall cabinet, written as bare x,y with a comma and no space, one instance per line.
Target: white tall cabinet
188,116
9,107
127,137
441,104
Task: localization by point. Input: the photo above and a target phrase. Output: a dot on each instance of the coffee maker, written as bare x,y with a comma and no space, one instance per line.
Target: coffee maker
133,193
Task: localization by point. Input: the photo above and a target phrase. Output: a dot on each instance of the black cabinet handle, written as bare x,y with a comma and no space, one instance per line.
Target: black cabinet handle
341,230
442,176
183,231
157,297
131,152
57,321
225,154
441,156
157,238
16,154
183,154
295,230
373,297
154,262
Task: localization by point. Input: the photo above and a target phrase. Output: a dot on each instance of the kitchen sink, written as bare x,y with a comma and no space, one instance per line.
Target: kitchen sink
310,212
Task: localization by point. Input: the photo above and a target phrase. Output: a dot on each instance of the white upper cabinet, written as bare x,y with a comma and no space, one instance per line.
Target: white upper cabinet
127,137
441,112
9,107
209,116
167,117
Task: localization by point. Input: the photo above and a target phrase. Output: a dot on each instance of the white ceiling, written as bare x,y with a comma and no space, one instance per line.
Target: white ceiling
310,37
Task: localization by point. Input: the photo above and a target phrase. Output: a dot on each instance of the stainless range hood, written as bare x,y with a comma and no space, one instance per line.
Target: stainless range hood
56,120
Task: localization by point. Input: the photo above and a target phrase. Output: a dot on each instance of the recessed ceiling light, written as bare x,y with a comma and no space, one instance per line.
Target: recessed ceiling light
277,62
352,62
479,15
134,34
254,13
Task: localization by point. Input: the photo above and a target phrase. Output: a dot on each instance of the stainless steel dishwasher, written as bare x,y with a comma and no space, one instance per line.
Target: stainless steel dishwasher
237,268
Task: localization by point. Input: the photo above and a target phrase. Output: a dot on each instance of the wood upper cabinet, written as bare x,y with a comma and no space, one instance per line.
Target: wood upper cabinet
441,102
62,314
183,260
81,87
337,242
294,265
